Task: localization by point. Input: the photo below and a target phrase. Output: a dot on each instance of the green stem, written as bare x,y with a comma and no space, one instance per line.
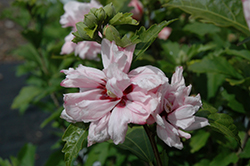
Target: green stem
153,144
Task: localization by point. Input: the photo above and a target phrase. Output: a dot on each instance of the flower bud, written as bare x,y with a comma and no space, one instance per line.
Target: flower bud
109,10
100,14
93,10
90,20
111,33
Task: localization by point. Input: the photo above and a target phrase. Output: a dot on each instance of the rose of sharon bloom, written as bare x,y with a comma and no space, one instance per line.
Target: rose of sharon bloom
246,9
74,13
165,33
138,9
111,98
176,113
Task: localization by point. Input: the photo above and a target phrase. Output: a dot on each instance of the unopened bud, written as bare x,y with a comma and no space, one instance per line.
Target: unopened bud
109,10
111,33
100,14
93,10
90,20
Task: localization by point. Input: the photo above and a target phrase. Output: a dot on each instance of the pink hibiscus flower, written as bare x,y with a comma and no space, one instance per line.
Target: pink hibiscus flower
74,12
111,98
177,111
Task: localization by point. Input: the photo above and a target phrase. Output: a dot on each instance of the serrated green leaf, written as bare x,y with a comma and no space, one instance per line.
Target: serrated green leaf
233,103
26,155
221,13
137,142
198,140
225,124
215,64
74,136
123,18
148,36
25,96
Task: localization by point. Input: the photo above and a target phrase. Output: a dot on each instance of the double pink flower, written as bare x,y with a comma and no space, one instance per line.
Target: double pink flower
74,13
176,111
113,97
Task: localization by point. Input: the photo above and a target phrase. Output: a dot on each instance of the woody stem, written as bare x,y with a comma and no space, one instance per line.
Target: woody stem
153,144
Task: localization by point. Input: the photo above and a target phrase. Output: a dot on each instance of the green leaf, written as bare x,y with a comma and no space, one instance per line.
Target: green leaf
164,158
202,162
224,158
240,53
4,162
74,136
80,26
123,18
233,103
199,140
25,96
224,124
221,13
137,142
26,155
214,82
53,116
55,159
246,151
148,36
99,152
201,29
214,64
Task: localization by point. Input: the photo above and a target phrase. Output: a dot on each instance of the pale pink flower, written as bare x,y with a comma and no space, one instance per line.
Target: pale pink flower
165,33
138,9
246,9
110,98
74,13
176,113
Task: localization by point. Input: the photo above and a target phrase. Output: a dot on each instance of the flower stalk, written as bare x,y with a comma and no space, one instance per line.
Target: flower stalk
153,144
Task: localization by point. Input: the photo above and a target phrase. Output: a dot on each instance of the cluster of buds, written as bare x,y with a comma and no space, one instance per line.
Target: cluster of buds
101,22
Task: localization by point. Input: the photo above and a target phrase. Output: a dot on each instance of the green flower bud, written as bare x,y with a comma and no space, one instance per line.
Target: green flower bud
111,33
93,10
109,10
90,20
100,14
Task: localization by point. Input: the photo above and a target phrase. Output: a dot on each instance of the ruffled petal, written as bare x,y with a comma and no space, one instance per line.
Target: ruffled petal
199,123
111,53
182,117
83,77
117,81
68,47
177,77
118,125
169,135
147,77
87,106
65,116
88,50
98,130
